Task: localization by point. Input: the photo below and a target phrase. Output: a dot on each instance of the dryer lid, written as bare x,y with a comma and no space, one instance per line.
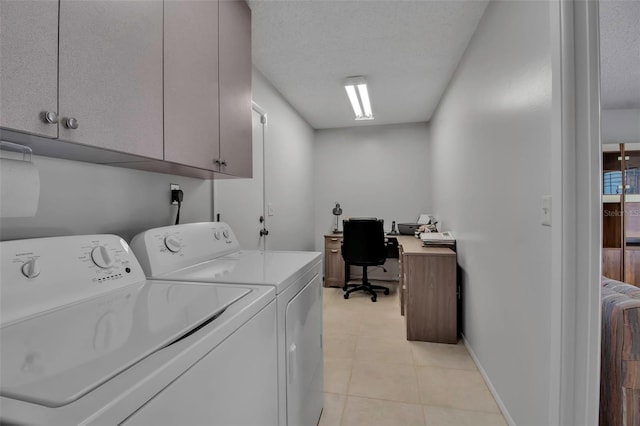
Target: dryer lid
55,358
276,268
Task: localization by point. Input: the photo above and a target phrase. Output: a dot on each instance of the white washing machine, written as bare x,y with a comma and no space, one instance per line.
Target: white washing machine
209,253
85,338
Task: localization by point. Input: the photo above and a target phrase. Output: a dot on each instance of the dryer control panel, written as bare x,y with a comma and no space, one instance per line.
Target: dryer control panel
170,248
41,274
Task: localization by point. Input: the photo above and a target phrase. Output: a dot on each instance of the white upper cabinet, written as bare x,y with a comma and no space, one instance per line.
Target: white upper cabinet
207,81
235,88
191,110
163,85
110,75
29,66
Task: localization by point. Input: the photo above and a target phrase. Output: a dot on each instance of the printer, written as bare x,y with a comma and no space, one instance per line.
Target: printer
412,228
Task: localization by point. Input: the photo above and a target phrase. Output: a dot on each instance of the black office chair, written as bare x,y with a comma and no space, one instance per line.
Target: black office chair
363,244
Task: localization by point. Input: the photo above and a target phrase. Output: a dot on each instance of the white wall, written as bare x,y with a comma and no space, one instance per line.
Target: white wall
84,198
491,164
377,171
620,125
288,170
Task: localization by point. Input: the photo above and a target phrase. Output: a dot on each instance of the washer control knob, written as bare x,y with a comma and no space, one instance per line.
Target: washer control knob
31,268
101,257
225,233
217,235
172,244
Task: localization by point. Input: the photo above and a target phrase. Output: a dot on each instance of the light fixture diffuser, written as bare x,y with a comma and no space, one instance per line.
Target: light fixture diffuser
355,103
359,98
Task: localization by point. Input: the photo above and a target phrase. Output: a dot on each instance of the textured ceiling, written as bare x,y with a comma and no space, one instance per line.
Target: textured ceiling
406,50
620,53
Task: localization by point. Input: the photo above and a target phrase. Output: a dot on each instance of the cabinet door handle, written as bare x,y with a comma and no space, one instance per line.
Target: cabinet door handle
334,251
71,123
334,239
223,162
50,117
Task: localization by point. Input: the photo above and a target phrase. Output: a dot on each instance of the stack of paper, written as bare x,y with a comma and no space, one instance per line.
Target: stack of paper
438,239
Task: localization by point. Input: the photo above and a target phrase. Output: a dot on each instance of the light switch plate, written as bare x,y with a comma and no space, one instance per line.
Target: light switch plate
546,210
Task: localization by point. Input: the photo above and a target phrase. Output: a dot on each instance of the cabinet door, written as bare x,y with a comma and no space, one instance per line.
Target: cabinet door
333,268
235,87
29,65
191,83
333,262
632,266
110,74
612,263
401,285
431,302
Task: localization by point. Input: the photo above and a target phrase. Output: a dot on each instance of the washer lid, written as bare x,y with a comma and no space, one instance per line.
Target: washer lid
57,357
277,268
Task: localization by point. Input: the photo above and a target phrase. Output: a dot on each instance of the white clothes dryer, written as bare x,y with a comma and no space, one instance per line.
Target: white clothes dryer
85,338
209,252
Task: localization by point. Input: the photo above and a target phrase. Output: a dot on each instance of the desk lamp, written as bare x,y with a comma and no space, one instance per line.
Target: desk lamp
337,211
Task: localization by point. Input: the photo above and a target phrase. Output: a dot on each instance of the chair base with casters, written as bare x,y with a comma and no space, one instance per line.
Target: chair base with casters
366,286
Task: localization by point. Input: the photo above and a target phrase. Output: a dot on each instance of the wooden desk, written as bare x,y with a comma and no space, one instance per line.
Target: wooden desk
427,286
428,291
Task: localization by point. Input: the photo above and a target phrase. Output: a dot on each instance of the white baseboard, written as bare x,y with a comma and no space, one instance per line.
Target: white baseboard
492,389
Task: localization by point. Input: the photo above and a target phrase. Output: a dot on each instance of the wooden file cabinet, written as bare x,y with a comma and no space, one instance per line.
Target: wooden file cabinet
428,292
333,262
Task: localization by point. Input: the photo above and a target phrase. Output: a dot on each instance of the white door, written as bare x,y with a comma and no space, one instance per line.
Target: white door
304,355
240,202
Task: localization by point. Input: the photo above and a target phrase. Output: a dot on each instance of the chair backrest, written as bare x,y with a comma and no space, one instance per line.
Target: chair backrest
363,241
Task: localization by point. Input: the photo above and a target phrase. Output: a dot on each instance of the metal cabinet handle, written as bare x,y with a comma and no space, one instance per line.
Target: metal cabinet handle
264,232
334,251
223,162
50,117
334,239
71,123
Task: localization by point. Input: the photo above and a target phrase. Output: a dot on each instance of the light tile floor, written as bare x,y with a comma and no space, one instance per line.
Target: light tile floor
373,376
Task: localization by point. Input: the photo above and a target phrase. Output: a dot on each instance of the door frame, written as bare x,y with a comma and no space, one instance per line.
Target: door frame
576,215
263,119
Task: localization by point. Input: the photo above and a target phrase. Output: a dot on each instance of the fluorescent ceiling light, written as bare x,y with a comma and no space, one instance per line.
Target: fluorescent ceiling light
353,97
360,98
